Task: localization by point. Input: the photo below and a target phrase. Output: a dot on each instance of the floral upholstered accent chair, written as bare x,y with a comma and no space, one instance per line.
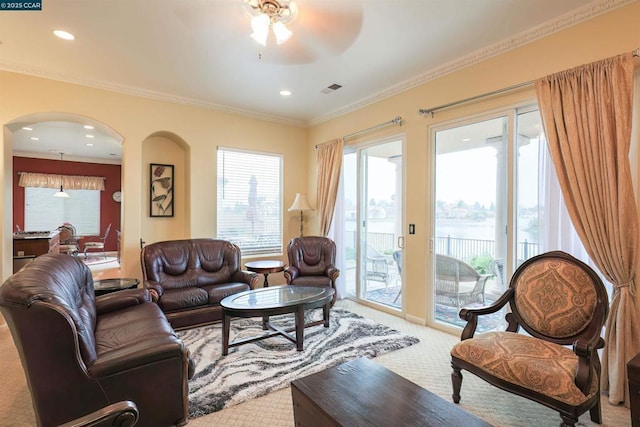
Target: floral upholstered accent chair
559,301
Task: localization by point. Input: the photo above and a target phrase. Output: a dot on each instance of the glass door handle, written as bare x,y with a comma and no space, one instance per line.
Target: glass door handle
401,242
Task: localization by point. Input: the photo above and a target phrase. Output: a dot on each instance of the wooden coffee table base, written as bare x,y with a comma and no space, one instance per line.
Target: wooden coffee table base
363,393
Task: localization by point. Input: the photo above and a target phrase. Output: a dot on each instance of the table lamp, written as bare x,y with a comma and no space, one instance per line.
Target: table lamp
300,203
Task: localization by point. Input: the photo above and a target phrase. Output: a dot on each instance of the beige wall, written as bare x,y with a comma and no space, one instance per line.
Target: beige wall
197,131
601,37
200,131
168,150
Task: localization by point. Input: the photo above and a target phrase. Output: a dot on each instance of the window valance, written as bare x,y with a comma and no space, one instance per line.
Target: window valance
69,182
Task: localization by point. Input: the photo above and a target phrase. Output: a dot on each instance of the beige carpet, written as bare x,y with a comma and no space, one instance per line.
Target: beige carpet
426,364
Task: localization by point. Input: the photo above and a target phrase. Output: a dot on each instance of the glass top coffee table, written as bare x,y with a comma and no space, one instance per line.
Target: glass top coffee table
271,301
106,286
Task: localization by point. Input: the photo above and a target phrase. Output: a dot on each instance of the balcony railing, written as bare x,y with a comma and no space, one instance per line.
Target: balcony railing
464,249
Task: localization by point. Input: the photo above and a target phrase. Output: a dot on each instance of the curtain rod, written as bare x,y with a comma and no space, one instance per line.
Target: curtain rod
425,111
395,121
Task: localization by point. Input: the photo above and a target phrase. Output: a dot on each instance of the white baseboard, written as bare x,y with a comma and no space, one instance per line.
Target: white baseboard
415,319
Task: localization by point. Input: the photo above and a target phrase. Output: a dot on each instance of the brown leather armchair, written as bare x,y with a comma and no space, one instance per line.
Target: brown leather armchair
312,262
81,353
190,277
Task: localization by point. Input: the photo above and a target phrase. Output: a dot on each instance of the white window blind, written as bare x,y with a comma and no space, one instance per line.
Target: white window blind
250,200
43,212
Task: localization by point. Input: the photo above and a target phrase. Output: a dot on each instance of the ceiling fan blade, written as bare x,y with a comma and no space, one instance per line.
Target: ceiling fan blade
323,28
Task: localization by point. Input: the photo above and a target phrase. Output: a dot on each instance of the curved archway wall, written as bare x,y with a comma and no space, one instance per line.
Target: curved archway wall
167,149
139,121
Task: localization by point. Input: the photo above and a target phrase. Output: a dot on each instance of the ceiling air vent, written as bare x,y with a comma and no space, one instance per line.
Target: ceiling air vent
327,90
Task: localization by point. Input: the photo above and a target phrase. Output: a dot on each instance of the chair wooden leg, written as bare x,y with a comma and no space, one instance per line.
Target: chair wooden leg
596,411
568,421
456,382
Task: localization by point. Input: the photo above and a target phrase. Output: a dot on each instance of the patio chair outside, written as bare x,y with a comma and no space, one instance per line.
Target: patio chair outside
457,283
377,266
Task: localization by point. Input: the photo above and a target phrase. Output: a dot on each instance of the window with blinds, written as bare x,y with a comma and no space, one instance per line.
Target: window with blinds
43,212
250,200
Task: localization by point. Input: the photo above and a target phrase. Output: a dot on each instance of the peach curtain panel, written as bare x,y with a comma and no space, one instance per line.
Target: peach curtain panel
587,114
69,182
329,162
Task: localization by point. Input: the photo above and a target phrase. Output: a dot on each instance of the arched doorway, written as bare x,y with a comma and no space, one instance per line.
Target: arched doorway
36,141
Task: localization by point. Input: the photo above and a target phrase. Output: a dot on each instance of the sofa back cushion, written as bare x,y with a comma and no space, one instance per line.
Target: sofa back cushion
62,281
185,263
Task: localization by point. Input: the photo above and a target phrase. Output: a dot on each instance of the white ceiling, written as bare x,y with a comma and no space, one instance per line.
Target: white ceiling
199,52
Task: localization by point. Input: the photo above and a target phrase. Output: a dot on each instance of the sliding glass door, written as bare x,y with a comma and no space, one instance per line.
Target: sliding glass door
372,200
486,209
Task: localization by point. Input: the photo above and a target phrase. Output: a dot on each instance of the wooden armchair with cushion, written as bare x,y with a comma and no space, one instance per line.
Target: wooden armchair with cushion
559,301
68,239
312,262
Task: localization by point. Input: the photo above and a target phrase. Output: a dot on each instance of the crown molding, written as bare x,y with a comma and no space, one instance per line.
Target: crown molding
535,33
585,13
144,93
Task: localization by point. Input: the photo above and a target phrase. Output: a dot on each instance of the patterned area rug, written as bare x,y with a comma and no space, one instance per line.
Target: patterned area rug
253,370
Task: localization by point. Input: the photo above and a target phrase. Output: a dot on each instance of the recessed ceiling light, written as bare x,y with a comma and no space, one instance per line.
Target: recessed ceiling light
285,92
88,127
64,35
89,135
466,139
34,138
27,128
89,144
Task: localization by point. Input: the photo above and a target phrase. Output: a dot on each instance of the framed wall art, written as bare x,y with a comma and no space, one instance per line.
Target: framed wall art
162,191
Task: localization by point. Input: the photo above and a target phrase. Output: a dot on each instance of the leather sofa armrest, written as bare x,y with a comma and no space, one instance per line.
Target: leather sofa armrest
246,277
333,272
290,273
155,289
142,353
123,414
121,299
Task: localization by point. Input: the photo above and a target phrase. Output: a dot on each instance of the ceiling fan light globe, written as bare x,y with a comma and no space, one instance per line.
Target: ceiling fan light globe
260,26
260,38
281,32
260,23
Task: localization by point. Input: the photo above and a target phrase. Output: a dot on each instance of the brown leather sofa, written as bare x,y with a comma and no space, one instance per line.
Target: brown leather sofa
191,276
81,353
312,262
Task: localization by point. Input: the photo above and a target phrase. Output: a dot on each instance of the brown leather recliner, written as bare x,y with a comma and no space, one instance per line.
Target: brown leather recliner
312,262
192,276
81,353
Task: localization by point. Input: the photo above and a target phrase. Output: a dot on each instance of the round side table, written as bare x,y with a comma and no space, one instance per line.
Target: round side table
265,267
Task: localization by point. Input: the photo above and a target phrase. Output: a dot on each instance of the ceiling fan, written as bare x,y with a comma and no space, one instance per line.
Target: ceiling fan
304,31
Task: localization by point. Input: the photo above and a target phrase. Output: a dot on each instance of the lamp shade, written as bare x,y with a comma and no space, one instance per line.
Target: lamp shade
300,203
61,193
